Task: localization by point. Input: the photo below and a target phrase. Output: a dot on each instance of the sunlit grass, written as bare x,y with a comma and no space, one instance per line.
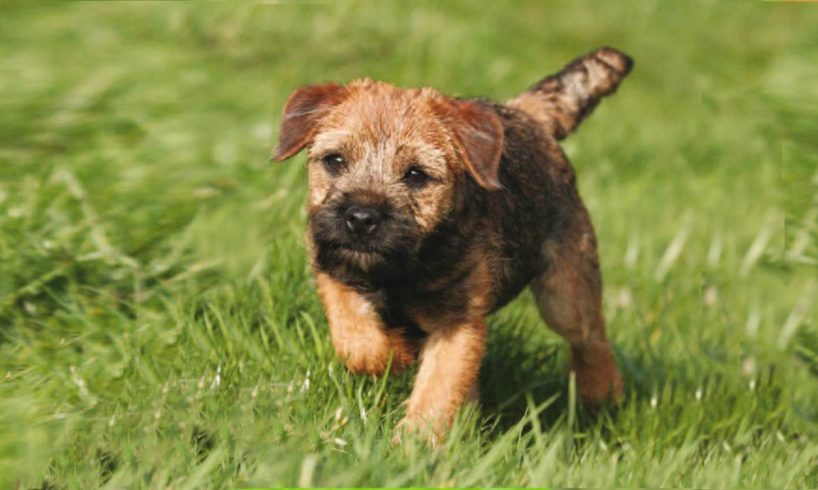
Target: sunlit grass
159,326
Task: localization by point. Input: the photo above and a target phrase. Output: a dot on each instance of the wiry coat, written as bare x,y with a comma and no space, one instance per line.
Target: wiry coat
496,209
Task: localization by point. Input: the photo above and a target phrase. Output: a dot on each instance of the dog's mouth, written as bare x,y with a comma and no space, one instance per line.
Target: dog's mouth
351,250
362,262
354,252
359,254
353,262
357,247
388,252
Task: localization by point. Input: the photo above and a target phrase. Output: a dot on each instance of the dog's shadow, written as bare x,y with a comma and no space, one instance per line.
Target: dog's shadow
524,367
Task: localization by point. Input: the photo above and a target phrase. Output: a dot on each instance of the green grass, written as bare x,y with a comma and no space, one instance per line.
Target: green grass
159,325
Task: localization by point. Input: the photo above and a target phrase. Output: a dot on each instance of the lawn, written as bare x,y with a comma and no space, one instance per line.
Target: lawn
159,325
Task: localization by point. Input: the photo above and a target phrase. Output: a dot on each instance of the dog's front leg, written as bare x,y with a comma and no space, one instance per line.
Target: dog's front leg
450,361
359,336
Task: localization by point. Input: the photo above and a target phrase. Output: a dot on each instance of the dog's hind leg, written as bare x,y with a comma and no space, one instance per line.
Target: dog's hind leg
569,297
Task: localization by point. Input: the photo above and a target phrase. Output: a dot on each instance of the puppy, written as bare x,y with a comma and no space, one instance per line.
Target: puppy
429,212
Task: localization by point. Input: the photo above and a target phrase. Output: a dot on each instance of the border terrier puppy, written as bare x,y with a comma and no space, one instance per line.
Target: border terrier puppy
429,212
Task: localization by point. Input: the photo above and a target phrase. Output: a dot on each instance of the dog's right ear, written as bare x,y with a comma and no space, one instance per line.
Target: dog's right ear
478,137
305,107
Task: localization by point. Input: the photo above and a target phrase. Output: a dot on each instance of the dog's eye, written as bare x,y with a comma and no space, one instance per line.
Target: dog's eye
415,177
334,163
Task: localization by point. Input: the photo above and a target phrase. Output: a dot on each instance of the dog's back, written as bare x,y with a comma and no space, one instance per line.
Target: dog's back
539,196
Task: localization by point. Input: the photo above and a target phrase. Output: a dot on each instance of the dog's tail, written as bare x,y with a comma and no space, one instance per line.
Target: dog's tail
561,101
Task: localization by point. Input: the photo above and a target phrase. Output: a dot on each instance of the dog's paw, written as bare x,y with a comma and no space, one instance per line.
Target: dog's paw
417,427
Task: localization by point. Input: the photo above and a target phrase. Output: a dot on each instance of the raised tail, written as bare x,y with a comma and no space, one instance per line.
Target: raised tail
561,101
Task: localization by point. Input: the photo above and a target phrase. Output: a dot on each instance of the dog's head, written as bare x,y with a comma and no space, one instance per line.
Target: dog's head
385,166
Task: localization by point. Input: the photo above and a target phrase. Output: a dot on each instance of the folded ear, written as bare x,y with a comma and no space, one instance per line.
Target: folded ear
304,109
478,137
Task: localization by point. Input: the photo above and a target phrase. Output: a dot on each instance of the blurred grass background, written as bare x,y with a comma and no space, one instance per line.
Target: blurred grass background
158,324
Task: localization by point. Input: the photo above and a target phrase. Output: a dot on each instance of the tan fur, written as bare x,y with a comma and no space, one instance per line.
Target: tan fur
382,134
447,377
359,336
450,358
569,296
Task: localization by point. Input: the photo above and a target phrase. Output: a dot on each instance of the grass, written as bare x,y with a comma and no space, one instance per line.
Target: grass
159,326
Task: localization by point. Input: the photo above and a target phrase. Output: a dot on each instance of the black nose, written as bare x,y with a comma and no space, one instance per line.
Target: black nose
362,220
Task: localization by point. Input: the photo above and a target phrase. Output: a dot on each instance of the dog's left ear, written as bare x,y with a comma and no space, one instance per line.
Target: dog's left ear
304,109
478,137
